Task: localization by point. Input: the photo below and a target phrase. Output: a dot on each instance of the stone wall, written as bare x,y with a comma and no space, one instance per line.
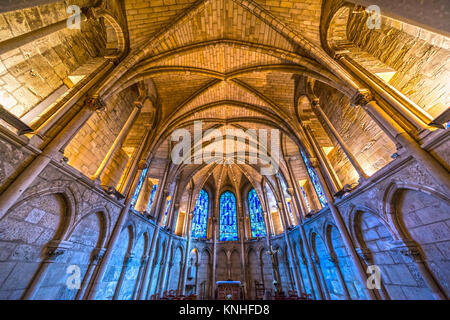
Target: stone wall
30,73
88,148
367,142
415,54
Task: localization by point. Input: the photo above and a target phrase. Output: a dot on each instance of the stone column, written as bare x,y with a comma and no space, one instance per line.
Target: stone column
366,259
414,116
344,233
124,184
325,293
143,266
334,181
334,259
241,238
51,152
188,241
186,256
303,236
284,219
215,234
118,141
128,258
96,256
321,114
166,273
402,138
116,233
162,196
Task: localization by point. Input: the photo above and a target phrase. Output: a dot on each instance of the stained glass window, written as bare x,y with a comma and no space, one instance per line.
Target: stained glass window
315,181
199,224
256,219
291,214
139,187
228,218
166,211
306,199
152,198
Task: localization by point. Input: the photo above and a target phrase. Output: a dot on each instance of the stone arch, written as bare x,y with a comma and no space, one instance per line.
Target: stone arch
30,232
420,216
175,273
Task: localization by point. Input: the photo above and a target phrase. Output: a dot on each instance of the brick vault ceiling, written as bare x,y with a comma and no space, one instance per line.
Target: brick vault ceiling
197,53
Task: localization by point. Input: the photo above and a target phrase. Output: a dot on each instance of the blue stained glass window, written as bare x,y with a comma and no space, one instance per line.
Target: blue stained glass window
228,218
306,199
256,219
139,187
166,211
199,224
291,214
315,181
152,198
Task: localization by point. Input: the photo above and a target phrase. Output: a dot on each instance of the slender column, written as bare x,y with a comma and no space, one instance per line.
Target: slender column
96,256
401,137
242,235
283,210
215,233
188,241
413,115
118,141
186,256
51,152
321,114
270,229
126,261
367,260
166,272
345,234
334,259
322,278
115,234
142,267
303,235
161,196
124,184
334,181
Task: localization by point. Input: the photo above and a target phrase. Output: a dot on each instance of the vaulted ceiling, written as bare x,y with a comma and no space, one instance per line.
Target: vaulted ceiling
230,63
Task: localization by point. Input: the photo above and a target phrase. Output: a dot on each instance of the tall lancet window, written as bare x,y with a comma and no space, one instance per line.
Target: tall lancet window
256,218
199,224
152,198
139,187
228,218
166,211
315,181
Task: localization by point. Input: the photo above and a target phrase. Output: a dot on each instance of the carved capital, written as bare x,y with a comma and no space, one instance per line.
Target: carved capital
365,255
138,104
97,254
408,249
361,98
94,104
333,258
55,249
315,102
143,165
